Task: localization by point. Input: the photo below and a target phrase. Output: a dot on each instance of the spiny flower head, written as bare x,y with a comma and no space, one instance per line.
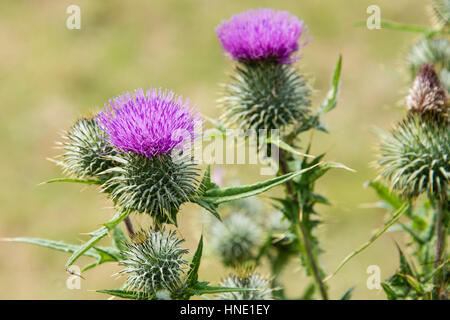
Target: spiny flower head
154,263
235,239
156,186
266,95
427,94
262,34
415,158
250,281
149,124
85,148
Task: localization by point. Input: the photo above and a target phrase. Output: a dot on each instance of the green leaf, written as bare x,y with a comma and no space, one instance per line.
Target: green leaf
97,235
383,192
309,292
391,25
348,294
390,293
286,147
396,216
205,288
331,99
195,264
119,239
126,294
85,181
217,195
56,245
414,283
100,254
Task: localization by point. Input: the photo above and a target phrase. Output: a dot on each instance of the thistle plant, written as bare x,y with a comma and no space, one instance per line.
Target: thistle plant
268,92
414,169
153,262
415,157
85,149
139,151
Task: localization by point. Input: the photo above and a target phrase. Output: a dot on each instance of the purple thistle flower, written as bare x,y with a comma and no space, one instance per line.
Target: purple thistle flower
149,124
263,34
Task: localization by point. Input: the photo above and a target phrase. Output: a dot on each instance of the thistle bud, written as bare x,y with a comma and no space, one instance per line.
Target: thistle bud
427,96
236,239
154,264
85,148
415,158
249,281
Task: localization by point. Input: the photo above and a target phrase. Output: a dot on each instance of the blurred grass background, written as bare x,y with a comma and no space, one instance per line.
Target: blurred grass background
50,76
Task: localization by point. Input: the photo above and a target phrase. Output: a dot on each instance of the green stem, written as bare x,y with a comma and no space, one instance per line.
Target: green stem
302,234
441,237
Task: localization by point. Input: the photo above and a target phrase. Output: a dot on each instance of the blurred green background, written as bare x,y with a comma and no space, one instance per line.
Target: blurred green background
50,76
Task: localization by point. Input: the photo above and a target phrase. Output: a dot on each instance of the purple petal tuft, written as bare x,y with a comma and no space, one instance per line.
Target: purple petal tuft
149,124
263,34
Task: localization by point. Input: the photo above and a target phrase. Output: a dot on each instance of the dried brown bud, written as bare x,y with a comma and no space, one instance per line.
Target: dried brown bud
427,94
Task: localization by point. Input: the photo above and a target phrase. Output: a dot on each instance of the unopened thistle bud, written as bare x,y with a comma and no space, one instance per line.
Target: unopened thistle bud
251,281
236,239
427,96
154,264
85,149
266,91
415,158
149,131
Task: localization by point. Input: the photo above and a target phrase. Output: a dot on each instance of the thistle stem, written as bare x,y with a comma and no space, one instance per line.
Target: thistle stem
441,237
129,226
302,234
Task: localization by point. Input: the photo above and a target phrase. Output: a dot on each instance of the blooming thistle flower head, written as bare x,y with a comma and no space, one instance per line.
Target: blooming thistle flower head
85,148
266,92
249,281
235,239
154,263
262,34
427,94
147,129
149,124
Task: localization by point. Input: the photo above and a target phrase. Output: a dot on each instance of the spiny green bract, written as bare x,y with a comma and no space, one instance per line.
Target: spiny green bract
235,239
85,148
435,51
265,95
154,263
251,281
157,186
415,158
